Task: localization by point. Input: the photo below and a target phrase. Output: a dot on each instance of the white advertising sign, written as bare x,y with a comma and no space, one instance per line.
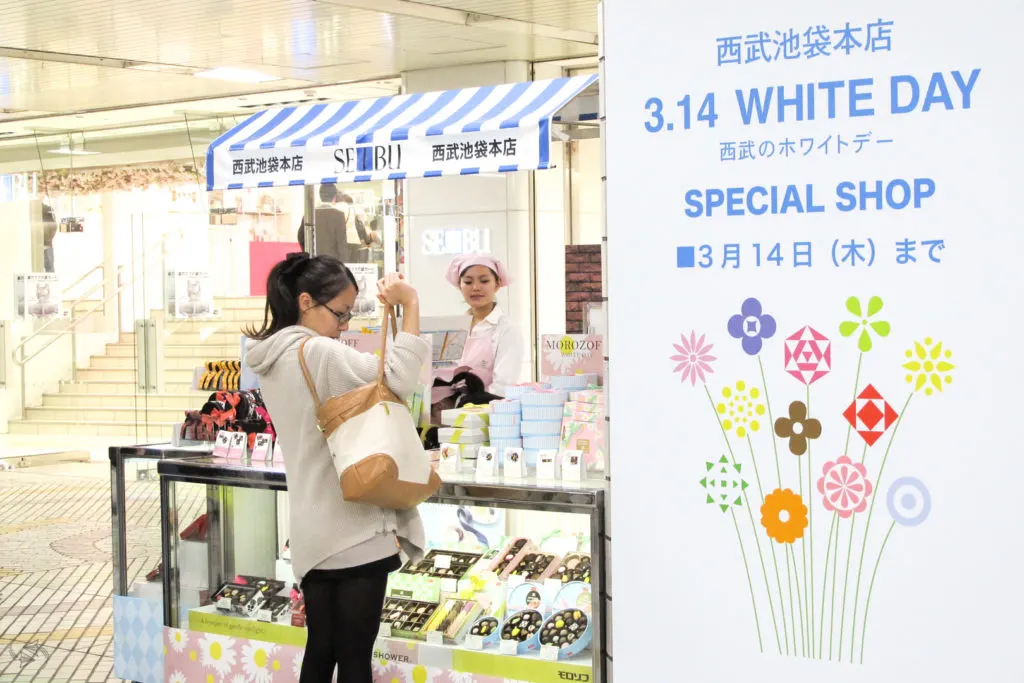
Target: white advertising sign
37,295
830,332
189,294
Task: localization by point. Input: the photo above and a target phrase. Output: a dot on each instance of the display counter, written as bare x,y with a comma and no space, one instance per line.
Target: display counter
136,558
508,590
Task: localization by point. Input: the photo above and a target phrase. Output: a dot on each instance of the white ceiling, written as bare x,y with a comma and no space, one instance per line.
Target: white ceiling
73,56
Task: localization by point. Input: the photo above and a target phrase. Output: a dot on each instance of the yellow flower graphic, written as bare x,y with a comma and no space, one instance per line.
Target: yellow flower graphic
741,409
929,366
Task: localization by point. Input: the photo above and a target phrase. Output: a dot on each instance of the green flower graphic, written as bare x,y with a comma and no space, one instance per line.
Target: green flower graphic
865,324
724,485
929,366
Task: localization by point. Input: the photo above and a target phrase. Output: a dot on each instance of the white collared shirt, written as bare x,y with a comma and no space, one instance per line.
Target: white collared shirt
508,347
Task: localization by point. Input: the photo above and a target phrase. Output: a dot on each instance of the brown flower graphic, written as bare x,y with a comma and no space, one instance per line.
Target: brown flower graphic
798,428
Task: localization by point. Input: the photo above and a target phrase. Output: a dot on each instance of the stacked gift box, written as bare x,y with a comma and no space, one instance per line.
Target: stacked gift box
542,421
468,428
583,422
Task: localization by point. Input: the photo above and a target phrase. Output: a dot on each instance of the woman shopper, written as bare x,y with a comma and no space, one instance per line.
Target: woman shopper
342,552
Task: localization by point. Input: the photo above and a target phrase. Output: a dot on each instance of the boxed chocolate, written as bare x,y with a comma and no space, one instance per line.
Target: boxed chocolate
407,618
235,598
535,565
524,628
573,567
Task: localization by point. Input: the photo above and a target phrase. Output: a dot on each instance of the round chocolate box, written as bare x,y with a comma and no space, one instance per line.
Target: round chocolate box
524,628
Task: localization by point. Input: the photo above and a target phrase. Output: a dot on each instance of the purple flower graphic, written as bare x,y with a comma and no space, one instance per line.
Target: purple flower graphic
752,326
693,358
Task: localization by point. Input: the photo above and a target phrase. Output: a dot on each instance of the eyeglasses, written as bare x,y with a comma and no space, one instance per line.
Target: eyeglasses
341,317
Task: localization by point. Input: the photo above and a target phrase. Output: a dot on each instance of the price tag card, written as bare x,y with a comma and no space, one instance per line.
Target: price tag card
474,642
263,449
509,647
265,615
548,465
237,449
222,446
449,586
514,463
384,631
549,653
435,638
516,580
552,587
572,466
486,463
224,603
451,454
442,562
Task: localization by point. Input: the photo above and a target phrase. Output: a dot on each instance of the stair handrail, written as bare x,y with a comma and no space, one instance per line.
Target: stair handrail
100,267
19,354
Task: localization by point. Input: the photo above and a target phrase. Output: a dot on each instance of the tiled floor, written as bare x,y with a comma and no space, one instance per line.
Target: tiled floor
55,571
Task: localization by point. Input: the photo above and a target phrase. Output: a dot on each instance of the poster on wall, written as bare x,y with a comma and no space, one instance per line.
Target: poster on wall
366,274
572,354
189,294
37,295
827,322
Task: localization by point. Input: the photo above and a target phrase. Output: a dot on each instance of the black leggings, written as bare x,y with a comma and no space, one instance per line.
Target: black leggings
343,609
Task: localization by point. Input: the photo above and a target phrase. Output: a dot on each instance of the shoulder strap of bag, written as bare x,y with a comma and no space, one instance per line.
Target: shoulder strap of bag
389,319
305,373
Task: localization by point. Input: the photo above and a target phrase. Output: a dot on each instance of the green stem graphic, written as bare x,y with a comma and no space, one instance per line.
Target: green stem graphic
753,526
856,384
771,420
809,585
824,584
867,527
846,578
775,559
871,587
832,611
750,584
799,599
796,567
789,586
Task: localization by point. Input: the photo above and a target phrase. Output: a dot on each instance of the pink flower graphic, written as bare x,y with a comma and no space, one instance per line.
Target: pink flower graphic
693,358
845,487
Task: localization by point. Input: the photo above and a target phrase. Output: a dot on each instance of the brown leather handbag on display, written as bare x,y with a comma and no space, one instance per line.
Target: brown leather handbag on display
374,442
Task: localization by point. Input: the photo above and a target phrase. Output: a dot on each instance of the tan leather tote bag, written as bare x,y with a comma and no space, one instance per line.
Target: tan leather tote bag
374,442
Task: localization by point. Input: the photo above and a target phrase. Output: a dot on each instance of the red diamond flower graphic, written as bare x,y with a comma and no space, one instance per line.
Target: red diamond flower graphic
870,414
808,355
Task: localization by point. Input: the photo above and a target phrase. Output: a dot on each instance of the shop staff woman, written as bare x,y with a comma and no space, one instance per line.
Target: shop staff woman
494,349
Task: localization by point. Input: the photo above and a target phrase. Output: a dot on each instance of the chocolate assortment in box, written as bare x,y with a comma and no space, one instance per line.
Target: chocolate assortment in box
511,555
454,618
236,598
574,567
408,618
535,565
443,564
266,587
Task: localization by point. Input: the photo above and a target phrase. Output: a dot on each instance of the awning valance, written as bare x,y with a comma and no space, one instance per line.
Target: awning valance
490,129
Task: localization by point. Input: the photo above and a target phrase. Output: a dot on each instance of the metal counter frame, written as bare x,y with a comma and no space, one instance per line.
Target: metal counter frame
587,498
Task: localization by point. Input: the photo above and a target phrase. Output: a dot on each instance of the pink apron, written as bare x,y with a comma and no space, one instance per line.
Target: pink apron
478,357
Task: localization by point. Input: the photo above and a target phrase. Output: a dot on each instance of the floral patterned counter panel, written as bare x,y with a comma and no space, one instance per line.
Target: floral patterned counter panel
192,657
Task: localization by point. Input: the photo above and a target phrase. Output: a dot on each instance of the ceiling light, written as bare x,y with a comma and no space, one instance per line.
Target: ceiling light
236,75
71,152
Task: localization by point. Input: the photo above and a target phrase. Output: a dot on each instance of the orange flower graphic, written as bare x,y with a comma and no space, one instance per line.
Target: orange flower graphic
784,515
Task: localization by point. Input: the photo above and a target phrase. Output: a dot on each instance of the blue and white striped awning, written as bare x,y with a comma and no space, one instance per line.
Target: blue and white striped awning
496,128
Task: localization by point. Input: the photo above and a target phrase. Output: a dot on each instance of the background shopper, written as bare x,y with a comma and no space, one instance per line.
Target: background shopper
341,552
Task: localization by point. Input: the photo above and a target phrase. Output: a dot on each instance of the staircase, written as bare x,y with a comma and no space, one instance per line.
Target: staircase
105,400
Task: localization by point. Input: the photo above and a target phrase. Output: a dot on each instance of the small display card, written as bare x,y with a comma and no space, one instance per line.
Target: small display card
486,463
514,463
384,631
435,638
449,585
237,449
222,446
509,647
263,449
572,466
474,642
265,615
442,562
549,653
548,465
451,454
224,603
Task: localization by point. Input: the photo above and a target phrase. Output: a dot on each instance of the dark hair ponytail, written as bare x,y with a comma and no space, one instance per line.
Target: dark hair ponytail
322,277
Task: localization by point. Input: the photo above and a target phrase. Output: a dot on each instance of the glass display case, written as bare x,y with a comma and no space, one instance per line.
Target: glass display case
136,552
508,590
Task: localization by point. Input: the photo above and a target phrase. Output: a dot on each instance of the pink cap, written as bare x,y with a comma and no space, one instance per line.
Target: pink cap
460,264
